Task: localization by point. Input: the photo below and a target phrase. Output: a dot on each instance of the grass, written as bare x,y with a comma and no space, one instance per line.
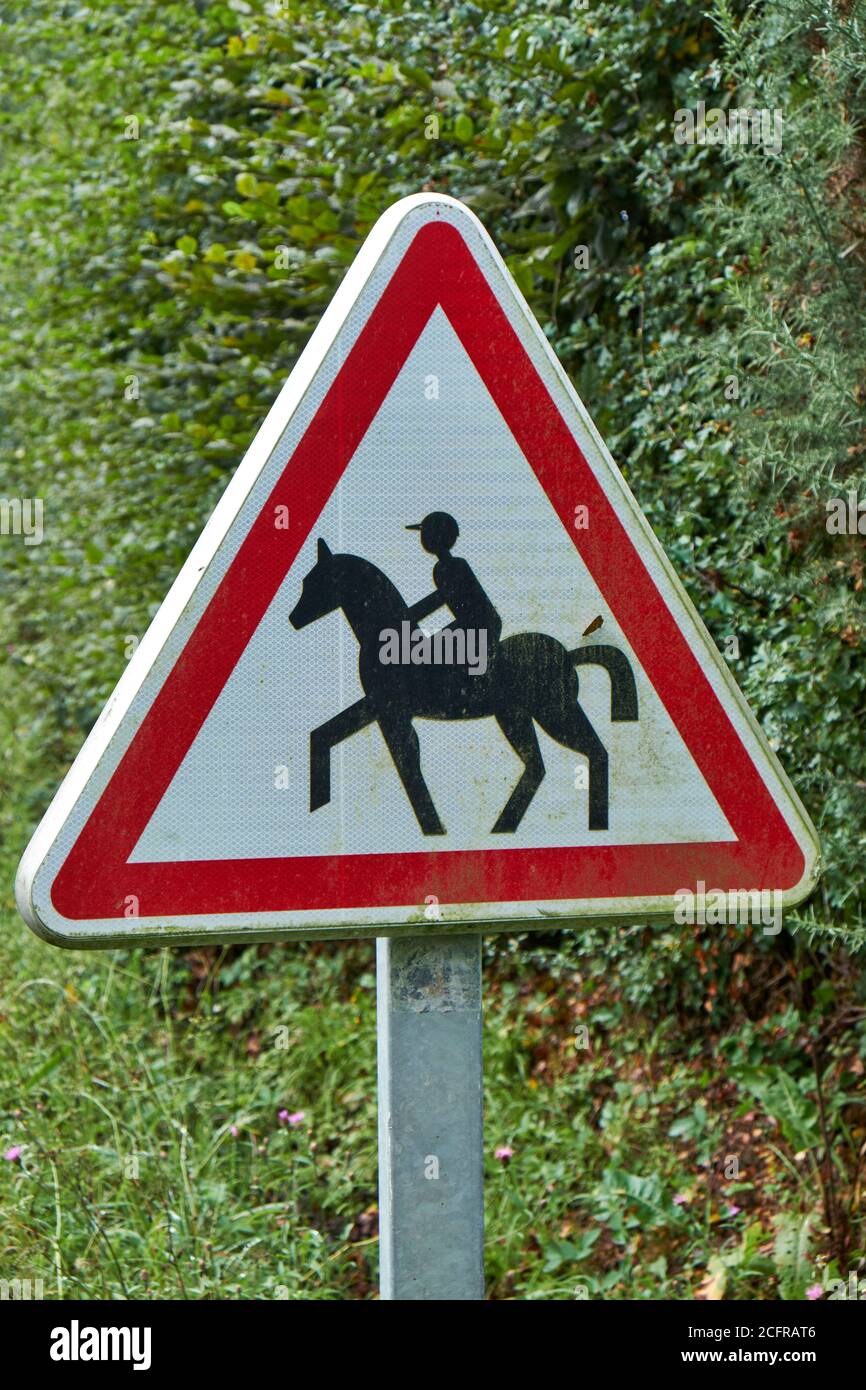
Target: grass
655,1154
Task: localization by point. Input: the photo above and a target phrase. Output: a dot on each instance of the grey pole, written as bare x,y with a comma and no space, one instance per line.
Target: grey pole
431,1202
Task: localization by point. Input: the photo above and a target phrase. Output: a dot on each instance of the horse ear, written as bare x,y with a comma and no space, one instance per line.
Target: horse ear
323,550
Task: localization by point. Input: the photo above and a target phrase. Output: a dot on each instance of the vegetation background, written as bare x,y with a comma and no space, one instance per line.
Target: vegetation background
202,1124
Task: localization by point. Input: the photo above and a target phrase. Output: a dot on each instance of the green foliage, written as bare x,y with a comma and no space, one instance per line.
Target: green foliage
182,270
179,1177
792,1257
786,242
183,186
786,1099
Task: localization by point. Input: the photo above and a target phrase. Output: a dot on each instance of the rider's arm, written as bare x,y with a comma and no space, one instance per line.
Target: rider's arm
425,606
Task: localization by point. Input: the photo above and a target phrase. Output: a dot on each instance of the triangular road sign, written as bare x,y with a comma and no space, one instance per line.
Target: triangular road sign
251,778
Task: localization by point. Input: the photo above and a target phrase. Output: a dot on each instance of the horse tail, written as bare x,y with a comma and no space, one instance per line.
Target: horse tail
623,691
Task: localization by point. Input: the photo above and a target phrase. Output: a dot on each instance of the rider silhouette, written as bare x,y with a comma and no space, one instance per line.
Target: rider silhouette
456,585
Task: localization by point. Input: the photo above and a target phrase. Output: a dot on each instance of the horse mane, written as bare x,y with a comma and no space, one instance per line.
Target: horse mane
374,586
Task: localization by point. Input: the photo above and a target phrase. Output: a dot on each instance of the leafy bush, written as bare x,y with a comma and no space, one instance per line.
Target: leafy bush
183,186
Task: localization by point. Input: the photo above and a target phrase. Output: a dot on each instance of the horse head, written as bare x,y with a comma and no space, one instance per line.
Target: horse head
320,593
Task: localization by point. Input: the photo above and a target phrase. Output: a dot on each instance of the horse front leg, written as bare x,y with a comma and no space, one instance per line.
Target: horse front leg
402,740
326,737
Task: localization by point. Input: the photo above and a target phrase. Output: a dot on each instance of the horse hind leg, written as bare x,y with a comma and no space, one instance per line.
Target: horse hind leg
570,727
520,732
405,749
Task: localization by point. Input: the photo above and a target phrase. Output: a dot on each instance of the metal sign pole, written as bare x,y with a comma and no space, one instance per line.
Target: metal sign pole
431,1202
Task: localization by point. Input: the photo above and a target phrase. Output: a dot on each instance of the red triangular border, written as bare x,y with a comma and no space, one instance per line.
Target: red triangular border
95,880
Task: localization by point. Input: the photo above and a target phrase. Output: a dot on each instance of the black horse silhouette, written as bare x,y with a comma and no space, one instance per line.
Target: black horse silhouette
532,678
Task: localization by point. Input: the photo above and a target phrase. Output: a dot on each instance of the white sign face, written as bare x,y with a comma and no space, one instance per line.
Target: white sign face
427,664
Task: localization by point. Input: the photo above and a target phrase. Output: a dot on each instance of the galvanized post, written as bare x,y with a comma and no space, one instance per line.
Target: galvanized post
431,1202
